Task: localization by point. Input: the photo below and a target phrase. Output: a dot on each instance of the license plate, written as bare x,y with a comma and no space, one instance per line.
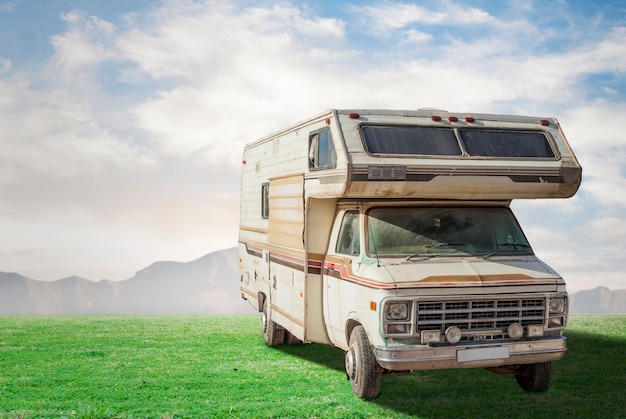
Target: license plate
481,354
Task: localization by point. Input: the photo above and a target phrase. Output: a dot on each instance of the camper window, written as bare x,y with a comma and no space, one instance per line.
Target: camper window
455,142
429,141
321,151
348,242
265,202
500,143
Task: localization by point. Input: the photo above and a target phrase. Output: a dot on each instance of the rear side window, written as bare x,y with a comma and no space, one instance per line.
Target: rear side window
321,151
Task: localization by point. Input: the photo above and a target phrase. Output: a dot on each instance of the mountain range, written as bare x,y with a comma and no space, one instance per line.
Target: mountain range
208,285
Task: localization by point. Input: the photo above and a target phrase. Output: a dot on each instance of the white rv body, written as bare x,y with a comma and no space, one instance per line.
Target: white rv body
330,209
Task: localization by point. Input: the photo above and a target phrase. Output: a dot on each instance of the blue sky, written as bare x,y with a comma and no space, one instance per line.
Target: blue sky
122,123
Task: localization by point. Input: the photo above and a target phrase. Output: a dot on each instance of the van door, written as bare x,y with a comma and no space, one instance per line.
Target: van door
286,262
339,262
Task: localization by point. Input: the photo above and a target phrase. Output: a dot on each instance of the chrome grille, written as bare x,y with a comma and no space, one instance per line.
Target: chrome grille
482,319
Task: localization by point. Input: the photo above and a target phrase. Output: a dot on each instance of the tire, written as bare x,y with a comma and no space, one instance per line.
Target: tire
361,367
273,334
291,339
534,377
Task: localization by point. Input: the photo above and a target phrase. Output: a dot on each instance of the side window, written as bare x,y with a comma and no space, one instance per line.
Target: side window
265,201
321,151
348,242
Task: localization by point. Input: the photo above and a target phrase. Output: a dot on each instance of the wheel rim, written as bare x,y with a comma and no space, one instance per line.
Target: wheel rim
264,321
351,362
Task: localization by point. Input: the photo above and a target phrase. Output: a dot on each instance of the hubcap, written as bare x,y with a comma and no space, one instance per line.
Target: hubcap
351,364
264,321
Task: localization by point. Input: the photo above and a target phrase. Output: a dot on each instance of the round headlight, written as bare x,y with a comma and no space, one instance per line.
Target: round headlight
515,331
453,334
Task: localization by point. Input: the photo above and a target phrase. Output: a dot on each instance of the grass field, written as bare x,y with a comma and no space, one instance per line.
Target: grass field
218,366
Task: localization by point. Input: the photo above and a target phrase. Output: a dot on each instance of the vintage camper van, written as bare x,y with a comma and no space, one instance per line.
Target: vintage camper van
389,234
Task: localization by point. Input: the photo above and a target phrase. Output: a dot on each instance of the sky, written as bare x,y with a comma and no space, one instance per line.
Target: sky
122,124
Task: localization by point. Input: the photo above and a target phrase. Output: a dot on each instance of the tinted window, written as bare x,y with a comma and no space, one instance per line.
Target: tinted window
496,143
410,140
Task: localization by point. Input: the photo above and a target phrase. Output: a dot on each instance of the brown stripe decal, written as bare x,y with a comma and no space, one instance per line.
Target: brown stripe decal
333,268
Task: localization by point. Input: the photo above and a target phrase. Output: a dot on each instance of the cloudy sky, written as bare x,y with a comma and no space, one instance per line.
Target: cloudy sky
122,123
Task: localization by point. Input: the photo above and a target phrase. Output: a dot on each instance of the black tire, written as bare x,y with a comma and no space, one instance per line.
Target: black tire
291,339
273,334
534,377
362,370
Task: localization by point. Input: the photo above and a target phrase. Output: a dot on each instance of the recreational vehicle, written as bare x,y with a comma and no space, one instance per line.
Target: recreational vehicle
389,234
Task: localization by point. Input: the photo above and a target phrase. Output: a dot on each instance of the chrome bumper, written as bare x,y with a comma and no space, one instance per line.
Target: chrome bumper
402,358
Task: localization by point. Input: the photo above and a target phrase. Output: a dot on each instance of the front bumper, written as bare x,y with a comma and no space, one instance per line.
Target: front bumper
403,358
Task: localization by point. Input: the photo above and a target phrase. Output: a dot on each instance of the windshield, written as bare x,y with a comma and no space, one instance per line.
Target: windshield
424,232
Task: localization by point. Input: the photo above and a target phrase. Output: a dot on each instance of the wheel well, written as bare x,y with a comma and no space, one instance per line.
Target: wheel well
350,325
261,299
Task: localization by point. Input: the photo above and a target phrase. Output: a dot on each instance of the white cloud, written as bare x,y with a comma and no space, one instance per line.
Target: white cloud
413,35
392,15
82,46
252,64
595,132
52,133
205,41
594,126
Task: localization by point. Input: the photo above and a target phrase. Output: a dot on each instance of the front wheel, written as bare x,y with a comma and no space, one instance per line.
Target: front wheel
534,377
362,369
290,339
273,334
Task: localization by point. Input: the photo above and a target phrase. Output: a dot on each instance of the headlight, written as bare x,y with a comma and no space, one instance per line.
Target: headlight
397,311
557,305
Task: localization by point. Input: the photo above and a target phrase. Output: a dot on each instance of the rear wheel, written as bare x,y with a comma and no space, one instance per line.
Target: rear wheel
534,377
361,367
273,334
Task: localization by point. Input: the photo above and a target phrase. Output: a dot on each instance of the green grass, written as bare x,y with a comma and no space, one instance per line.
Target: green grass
218,366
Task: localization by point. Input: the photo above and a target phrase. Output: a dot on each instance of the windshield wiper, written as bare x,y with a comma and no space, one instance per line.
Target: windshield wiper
506,246
430,247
